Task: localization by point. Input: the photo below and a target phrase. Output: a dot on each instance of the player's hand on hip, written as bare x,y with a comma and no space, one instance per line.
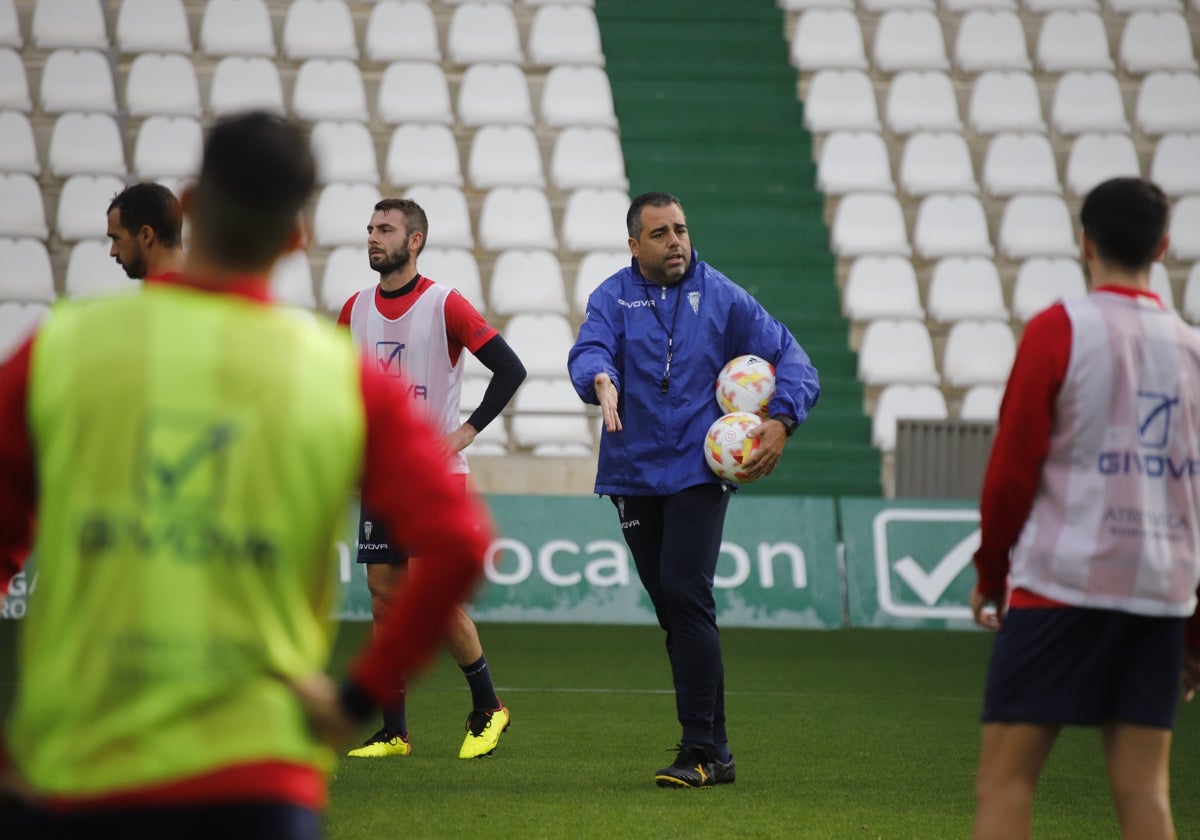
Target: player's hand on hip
606,395
987,612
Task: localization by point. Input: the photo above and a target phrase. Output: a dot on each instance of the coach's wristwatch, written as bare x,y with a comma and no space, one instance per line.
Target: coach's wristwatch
789,425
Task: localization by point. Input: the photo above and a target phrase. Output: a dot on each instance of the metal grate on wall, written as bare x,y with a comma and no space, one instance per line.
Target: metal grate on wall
942,459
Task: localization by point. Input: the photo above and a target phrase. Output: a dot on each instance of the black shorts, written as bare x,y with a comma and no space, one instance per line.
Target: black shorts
374,546
1084,667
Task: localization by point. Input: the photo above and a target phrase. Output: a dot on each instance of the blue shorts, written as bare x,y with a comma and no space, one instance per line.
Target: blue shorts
1083,667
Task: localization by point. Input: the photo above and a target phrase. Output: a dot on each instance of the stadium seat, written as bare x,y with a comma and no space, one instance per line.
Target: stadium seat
594,269
10,26
804,5
527,281
449,220
1168,102
981,402
936,162
868,223
965,288
564,35
494,93
241,84
990,39
319,29
17,322
83,206
342,213
951,224
909,39
1041,281
1087,102
826,39
1019,162
541,341
896,350
85,144
22,212
69,24
516,217
1036,226
978,353
153,26
1185,229
291,281
237,27
1073,41
548,411
1191,295
456,268
877,7
347,270
168,147
505,156
344,151
423,154
1097,157
484,32
27,273
584,156
77,80
921,101
14,86
1004,101
414,92
162,84
400,30
854,161
18,152
841,100
492,435
910,402
881,287
329,89
594,220
1041,7
1175,166
1156,41
577,95
591,3
962,7
1125,7
1160,284
91,272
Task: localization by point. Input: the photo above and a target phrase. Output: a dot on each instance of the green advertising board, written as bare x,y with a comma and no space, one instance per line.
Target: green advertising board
908,563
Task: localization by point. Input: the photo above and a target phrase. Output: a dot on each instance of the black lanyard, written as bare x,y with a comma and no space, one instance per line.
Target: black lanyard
662,386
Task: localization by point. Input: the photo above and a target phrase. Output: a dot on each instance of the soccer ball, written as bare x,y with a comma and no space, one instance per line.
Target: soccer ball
746,383
726,446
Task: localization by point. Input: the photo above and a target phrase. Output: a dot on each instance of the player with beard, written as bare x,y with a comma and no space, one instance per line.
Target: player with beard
412,327
145,225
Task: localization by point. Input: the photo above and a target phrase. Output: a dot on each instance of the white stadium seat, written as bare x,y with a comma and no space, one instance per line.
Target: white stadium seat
920,100
827,39
841,100
505,156
168,147
494,93
908,402
162,84
1042,281
1156,41
449,219
978,353
565,35
854,161
18,151
91,272
1074,40
77,80
594,220
1185,229
423,154
896,350
484,32
577,95
17,322
966,288
1176,163
329,89
516,217
402,30
10,26
319,29
458,269
291,280
1004,101
414,92
936,162
1160,284
869,223
586,156
22,212
990,40
594,269
69,24
241,83
541,341
527,281
1087,102
347,270
344,151
909,39
1097,157
342,213
881,287
83,206
548,411
14,86
153,26
1191,295
1036,226
86,144
1020,162
960,7
1168,102
949,225
1041,7
27,273
237,27
1124,7
981,402
492,435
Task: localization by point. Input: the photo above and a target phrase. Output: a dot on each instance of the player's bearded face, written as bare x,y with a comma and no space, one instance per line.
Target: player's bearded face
386,260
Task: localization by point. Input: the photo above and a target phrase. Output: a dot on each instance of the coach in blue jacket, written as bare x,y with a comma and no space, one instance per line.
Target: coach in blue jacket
655,336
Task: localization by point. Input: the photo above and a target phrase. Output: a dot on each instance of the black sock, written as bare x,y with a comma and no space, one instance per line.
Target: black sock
394,720
479,678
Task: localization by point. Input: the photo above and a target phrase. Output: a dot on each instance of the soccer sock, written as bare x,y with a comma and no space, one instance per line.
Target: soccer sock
479,678
721,752
395,720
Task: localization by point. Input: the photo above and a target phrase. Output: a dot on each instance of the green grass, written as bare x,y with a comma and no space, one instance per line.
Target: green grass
841,734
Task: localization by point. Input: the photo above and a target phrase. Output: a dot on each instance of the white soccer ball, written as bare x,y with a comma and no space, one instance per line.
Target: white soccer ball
746,383
726,446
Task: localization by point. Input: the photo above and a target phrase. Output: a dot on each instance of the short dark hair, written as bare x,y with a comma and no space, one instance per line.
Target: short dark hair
1126,220
633,219
150,204
256,174
414,216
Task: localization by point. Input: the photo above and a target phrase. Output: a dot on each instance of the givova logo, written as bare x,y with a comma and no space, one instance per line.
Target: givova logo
923,561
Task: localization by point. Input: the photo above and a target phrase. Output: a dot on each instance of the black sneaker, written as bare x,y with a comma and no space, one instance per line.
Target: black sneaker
724,773
694,767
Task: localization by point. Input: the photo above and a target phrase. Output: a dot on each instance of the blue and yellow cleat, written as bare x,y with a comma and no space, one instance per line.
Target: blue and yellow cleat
381,745
484,729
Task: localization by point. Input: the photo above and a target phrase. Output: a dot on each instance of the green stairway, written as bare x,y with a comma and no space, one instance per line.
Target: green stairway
708,111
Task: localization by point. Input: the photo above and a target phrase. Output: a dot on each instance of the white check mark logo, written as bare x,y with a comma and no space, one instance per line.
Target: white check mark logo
930,586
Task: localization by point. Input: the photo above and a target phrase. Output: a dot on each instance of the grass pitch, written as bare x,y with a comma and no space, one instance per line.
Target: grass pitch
837,734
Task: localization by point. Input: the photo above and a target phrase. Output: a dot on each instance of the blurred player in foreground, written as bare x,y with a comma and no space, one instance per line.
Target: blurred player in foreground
412,327
145,227
1092,502
188,451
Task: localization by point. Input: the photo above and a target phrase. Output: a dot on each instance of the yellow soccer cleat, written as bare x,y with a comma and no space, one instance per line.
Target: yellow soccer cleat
380,745
483,732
